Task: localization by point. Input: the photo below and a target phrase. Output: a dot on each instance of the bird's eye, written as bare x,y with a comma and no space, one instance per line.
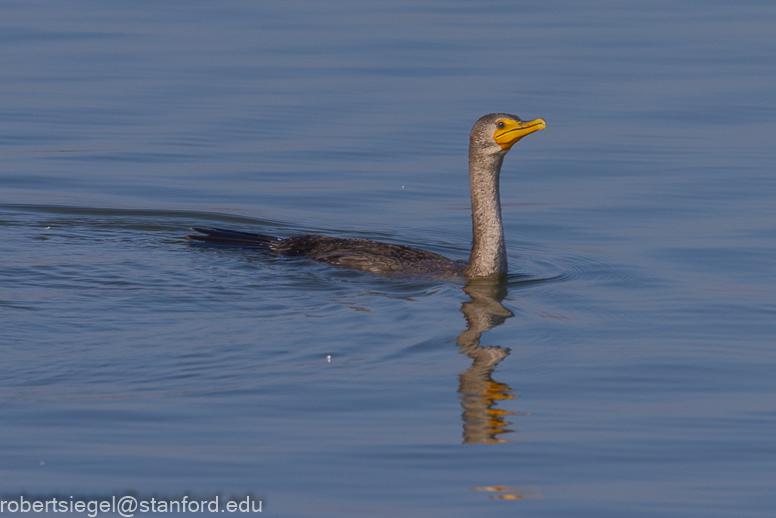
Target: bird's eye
500,124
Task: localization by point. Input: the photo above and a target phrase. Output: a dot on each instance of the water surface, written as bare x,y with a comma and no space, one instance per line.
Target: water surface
624,368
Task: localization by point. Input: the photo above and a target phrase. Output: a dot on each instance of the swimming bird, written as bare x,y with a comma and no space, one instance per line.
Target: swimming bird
492,136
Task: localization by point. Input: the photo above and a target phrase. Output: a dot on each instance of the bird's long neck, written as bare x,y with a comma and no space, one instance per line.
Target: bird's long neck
489,254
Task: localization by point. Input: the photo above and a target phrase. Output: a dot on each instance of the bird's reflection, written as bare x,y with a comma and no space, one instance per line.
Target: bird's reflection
483,422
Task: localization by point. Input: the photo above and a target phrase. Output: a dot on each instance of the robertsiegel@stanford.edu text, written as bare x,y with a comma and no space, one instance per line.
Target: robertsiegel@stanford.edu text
127,506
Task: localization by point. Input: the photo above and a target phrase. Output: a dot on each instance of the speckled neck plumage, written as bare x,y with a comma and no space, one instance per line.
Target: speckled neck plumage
489,253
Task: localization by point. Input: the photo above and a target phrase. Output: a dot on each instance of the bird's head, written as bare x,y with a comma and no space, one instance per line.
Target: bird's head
496,133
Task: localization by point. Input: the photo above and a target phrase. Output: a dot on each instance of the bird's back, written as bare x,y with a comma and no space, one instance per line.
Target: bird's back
367,255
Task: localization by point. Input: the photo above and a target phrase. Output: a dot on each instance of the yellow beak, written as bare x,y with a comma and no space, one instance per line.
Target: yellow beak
515,130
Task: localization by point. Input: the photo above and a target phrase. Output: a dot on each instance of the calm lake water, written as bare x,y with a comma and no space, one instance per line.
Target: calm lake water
627,366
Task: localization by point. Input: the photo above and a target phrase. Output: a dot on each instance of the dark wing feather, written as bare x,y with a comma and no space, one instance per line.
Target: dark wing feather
358,254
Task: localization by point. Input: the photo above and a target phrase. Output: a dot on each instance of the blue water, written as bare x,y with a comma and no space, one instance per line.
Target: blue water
624,368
